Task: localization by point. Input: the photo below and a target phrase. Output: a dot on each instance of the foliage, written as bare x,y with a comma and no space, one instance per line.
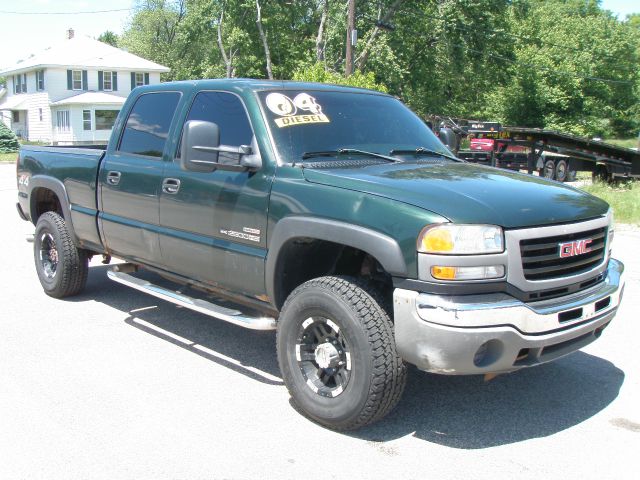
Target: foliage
109,38
8,141
318,73
564,64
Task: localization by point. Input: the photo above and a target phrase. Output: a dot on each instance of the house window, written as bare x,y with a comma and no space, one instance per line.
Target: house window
20,83
105,119
15,116
62,121
86,119
40,113
40,80
77,79
107,81
139,79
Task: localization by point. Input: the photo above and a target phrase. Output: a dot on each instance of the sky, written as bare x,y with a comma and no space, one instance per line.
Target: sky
37,27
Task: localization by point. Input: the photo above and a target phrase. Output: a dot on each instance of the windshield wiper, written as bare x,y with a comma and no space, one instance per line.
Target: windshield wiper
423,151
348,151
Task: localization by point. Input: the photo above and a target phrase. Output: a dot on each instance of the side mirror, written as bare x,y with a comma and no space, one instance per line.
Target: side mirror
200,141
200,150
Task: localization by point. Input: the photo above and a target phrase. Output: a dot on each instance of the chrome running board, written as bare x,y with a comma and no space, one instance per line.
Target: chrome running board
222,313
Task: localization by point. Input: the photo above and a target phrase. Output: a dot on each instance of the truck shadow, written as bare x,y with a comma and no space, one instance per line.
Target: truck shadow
458,412
468,413
249,352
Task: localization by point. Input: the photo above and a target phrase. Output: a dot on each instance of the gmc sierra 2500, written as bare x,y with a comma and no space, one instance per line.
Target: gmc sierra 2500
336,217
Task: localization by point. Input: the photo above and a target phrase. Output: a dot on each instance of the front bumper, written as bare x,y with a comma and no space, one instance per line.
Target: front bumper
477,334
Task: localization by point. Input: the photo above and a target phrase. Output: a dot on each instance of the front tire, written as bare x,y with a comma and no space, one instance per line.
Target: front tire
336,351
62,267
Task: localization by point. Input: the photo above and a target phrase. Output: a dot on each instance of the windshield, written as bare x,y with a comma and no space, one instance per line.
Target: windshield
316,121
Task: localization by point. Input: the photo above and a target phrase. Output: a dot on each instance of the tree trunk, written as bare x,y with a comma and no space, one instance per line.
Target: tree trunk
320,43
364,55
265,44
228,60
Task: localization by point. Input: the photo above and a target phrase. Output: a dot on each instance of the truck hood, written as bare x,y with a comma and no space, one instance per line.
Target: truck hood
467,193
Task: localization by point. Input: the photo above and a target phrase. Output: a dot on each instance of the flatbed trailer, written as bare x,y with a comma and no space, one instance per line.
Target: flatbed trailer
552,154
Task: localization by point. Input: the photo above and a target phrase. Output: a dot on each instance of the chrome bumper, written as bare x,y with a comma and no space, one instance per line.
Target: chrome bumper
476,334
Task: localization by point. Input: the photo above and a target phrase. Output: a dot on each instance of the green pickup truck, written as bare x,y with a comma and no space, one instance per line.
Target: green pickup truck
334,216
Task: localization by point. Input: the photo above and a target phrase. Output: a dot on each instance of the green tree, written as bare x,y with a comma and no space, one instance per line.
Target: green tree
318,73
564,64
8,141
574,68
109,38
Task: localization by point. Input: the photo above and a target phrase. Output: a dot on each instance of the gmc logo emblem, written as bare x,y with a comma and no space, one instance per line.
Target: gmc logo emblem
571,249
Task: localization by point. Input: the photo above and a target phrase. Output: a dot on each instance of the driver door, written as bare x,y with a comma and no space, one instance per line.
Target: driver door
213,224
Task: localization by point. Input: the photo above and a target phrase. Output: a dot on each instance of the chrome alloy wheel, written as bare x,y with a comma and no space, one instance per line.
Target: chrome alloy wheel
323,356
48,255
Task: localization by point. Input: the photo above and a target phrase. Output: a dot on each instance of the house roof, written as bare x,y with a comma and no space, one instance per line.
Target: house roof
93,98
16,102
84,52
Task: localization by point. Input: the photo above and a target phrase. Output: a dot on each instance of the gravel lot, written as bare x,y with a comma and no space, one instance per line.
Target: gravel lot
114,384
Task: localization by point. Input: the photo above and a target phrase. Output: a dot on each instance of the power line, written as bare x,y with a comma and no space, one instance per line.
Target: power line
65,13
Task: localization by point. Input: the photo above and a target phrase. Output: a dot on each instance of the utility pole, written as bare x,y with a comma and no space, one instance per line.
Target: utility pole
352,37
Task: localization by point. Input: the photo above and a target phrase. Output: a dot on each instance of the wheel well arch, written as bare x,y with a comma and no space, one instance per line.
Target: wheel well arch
49,194
303,258
302,248
44,200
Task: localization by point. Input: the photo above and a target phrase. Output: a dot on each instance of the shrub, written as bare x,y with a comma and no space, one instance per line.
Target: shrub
318,73
8,141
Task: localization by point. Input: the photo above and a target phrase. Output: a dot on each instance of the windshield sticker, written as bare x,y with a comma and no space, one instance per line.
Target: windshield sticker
287,109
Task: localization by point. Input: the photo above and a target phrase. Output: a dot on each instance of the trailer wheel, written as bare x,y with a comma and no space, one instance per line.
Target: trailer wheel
549,169
600,174
561,170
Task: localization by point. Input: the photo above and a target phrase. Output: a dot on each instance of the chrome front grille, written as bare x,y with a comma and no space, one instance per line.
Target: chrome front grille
541,258
534,262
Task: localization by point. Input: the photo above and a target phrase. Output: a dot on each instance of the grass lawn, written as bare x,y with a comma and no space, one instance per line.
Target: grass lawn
8,157
624,198
624,142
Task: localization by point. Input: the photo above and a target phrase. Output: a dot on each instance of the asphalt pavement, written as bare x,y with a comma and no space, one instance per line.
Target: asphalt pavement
114,384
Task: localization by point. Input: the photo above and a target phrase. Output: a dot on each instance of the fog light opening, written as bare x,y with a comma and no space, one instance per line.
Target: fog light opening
488,353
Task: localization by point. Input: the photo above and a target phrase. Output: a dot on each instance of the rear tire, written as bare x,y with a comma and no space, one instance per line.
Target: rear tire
62,267
336,351
561,170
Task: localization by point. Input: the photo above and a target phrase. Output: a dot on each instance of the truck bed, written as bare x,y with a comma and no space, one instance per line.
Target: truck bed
77,171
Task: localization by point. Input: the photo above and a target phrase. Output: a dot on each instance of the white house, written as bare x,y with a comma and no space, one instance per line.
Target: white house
72,92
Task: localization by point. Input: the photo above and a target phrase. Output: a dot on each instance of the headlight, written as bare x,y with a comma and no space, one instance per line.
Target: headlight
451,239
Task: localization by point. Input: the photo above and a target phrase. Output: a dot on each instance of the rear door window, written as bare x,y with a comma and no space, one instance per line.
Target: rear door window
147,127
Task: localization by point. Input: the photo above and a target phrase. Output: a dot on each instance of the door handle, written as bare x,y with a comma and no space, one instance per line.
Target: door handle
171,185
113,177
